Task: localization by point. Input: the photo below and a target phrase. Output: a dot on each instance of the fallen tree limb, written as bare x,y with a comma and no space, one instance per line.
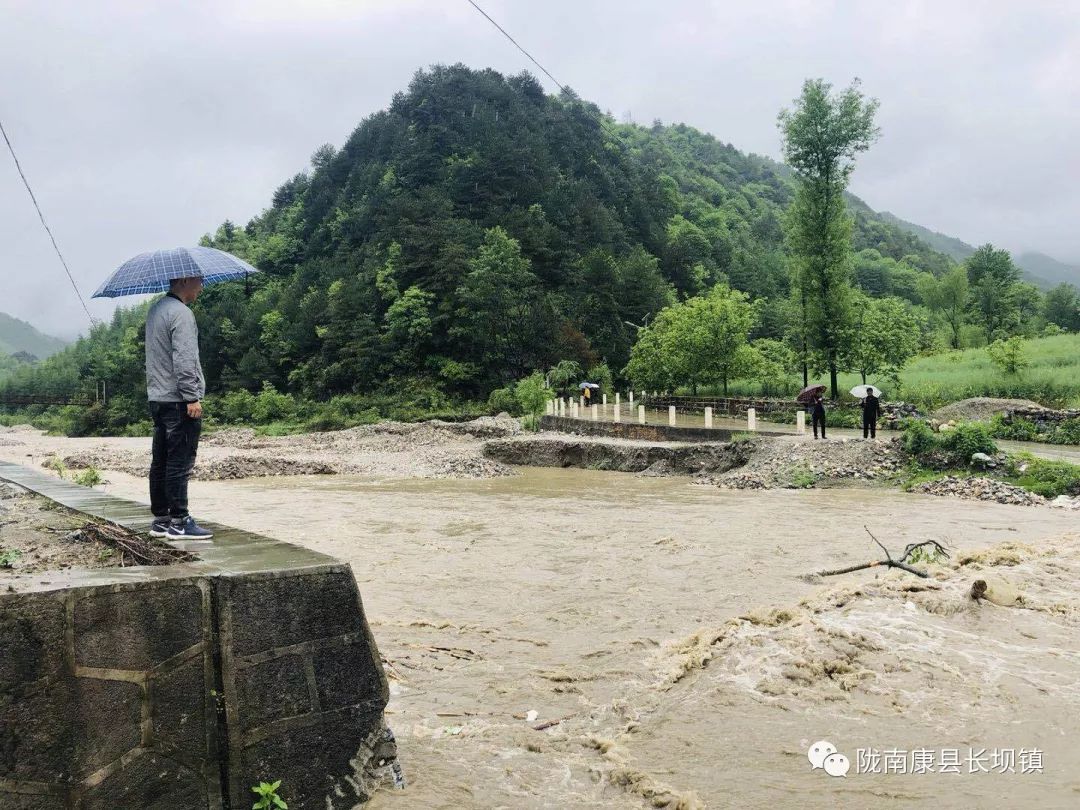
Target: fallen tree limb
133,549
889,562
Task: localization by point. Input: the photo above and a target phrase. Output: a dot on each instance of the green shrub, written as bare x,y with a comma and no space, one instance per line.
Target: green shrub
89,420
966,439
918,439
504,399
1009,355
90,477
842,417
138,429
1044,477
801,477
1066,432
1019,429
56,464
236,407
531,394
272,406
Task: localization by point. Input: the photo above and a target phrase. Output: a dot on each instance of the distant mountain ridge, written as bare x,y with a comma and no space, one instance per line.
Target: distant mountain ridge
19,336
1043,266
949,245
1041,270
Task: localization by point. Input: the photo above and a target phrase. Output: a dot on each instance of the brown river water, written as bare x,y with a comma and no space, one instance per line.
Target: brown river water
610,603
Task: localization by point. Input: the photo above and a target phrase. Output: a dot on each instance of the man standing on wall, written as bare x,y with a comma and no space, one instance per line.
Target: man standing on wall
175,387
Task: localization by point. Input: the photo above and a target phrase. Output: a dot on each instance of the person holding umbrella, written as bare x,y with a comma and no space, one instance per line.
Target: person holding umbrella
812,396
871,408
817,414
175,385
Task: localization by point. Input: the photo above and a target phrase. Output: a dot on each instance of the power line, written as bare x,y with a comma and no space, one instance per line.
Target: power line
602,120
559,84
48,230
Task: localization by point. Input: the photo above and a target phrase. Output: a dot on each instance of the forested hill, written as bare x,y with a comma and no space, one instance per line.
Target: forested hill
19,337
479,228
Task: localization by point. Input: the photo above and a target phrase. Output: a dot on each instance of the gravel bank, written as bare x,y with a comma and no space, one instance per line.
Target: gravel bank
980,409
794,462
980,489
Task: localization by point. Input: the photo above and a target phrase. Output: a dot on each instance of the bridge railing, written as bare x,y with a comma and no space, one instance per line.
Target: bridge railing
24,399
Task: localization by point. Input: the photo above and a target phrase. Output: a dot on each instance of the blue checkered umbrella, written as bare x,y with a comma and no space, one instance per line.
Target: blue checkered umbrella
152,272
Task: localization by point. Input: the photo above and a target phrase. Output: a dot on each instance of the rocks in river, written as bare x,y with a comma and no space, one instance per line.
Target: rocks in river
980,489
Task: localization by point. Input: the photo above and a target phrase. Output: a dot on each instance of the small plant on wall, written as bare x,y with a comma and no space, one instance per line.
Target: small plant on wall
268,797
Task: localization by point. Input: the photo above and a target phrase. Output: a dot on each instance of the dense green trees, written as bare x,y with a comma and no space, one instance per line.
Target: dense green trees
704,339
478,229
883,336
948,296
1062,307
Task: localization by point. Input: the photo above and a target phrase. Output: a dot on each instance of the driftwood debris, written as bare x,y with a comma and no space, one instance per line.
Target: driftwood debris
889,562
133,549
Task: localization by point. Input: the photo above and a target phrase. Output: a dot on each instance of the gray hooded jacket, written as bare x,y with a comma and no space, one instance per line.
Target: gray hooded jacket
173,370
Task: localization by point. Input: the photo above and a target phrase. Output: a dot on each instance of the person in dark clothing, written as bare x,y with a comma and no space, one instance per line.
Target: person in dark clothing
817,415
871,410
174,387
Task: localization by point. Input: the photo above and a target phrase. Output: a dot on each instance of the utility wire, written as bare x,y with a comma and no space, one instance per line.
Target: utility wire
602,120
41,216
560,85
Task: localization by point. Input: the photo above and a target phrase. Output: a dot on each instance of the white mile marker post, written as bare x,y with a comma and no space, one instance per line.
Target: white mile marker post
671,415
708,417
641,414
751,419
800,422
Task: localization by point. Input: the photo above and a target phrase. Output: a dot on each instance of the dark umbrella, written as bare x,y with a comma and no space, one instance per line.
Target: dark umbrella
806,396
152,272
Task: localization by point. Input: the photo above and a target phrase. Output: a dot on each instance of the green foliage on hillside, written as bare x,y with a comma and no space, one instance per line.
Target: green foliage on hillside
475,230
17,337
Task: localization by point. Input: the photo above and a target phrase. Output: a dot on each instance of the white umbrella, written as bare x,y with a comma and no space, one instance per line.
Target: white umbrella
862,391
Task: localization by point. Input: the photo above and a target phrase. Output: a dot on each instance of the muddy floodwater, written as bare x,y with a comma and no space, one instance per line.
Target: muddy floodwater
572,638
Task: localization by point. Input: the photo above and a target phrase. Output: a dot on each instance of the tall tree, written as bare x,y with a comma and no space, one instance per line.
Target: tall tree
500,310
947,296
884,335
822,134
993,279
1062,307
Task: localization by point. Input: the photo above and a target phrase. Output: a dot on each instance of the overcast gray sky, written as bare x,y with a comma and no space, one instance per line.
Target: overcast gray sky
143,125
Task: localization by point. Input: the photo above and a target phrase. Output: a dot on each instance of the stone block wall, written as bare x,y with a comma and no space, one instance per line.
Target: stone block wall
180,687
634,430
106,697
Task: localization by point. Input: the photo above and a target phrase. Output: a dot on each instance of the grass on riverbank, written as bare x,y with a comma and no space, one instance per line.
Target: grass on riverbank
933,456
1052,378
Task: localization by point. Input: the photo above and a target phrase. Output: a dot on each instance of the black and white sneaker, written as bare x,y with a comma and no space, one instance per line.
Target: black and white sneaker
160,527
188,529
